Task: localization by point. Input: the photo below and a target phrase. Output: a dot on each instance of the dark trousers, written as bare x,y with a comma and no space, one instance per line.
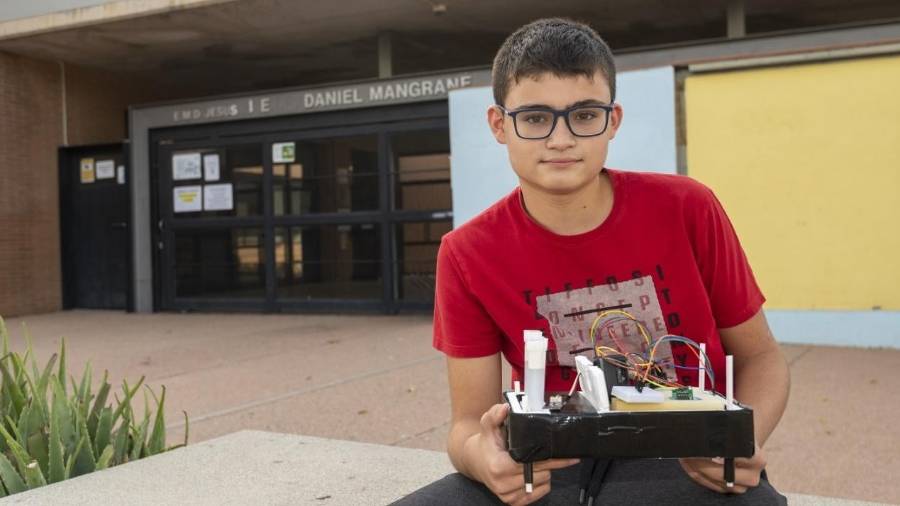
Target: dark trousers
629,482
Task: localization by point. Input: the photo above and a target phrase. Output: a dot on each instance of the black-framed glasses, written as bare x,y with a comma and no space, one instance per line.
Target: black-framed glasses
534,123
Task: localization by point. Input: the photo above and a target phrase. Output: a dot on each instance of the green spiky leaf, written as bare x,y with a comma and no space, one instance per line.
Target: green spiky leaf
62,414
11,478
61,374
105,457
38,448
56,460
157,441
103,431
99,403
19,453
11,387
33,475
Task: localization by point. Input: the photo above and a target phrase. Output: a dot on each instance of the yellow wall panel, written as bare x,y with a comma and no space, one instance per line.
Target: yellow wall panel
806,161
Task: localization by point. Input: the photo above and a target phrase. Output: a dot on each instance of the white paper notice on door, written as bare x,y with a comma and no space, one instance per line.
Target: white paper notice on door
106,169
211,167
187,199
186,166
218,197
87,170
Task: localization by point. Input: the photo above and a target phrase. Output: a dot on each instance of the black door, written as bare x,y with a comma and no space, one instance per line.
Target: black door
94,225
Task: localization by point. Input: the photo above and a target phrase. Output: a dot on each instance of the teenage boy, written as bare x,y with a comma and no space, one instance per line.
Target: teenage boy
577,235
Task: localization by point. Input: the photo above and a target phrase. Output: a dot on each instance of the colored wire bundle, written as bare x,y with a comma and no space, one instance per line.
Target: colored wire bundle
642,366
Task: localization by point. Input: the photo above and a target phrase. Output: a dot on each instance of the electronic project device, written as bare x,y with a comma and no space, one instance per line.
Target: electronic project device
630,404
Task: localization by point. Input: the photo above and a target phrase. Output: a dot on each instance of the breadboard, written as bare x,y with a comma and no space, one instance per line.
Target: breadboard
702,401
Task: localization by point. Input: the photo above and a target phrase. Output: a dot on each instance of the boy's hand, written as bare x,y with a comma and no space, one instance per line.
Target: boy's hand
499,472
711,472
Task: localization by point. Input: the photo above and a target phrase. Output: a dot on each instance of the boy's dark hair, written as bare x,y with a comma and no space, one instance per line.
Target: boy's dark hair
560,46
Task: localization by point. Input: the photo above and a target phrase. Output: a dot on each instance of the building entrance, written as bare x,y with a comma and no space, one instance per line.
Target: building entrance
316,216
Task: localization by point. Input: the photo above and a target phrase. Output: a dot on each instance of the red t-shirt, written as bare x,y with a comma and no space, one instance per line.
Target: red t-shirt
667,248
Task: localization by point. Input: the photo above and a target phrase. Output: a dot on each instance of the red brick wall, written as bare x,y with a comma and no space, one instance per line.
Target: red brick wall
30,132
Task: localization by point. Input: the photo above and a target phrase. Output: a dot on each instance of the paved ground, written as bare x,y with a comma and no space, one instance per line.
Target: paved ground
376,379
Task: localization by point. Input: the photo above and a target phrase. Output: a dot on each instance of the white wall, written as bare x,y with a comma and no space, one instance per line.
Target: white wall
479,168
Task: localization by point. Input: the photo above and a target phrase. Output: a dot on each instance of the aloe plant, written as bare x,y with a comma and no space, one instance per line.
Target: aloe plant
50,432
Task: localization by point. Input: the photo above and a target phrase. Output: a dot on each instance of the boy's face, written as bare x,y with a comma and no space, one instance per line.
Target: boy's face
561,163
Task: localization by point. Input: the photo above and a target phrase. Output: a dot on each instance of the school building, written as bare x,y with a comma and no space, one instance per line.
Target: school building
291,156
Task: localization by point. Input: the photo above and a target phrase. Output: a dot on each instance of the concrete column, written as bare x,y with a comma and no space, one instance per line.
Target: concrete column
385,62
736,19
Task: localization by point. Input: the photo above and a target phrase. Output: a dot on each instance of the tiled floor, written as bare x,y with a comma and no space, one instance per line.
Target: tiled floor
377,379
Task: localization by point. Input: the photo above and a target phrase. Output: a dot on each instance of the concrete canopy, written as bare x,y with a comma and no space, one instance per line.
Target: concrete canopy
222,46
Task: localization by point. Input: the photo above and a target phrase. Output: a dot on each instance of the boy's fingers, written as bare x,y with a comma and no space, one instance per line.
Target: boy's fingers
493,418
521,498
711,476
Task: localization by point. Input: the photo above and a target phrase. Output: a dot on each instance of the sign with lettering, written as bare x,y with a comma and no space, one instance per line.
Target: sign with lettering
105,169
374,93
186,199
186,166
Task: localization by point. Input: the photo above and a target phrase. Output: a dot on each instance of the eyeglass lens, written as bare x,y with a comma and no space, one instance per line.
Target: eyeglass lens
585,121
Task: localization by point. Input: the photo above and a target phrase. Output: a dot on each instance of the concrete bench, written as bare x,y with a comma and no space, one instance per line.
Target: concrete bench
253,467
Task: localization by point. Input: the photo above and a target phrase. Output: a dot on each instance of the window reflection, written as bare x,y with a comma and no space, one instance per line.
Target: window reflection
328,261
227,263
417,246
328,176
421,170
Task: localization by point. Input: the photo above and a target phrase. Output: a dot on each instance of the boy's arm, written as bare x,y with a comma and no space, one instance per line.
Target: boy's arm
475,385
761,376
762,381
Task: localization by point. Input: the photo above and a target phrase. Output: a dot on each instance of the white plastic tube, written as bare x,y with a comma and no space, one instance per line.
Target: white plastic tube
535,369
702,374
729,381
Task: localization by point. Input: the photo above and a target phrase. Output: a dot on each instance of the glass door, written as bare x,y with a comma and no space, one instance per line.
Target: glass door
327,220
212,226
421,210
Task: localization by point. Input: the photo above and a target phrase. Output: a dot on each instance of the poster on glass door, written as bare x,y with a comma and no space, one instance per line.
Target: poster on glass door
187,199
186,166
218,197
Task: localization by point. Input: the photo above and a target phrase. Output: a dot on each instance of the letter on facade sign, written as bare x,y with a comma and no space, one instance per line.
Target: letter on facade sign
426,87
452,82
308,100
465,80
415,88
376,92
388,92
320,100
439,88
402,90
233,109
265,105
